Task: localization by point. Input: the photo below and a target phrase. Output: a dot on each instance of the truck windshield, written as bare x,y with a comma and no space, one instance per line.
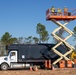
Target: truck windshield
12,54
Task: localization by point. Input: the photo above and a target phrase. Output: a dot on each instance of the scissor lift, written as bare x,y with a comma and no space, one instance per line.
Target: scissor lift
56,18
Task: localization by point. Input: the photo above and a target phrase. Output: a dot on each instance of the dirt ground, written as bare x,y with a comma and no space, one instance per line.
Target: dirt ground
40,72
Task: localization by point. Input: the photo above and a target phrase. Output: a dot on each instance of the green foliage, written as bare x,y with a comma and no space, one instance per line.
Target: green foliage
43,34
75,47
7,39
74,30
60,34
28,40
19,40
36,40
40,28
31,40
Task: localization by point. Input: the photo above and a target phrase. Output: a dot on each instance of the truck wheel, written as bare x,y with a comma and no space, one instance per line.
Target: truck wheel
4,66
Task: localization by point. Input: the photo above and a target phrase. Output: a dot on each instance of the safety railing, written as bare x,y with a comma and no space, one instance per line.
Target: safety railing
73,12
69,13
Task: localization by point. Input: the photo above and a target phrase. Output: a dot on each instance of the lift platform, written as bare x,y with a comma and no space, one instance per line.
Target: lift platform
56,18
61,17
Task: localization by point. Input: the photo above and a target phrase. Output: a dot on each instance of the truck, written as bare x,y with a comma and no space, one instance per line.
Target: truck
26,55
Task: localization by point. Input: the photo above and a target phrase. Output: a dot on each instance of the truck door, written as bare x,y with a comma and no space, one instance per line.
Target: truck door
13,56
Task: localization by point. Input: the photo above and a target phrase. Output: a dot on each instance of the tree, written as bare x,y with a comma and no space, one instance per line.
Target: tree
43,34
7,39
28,40
20,40
75,47
2,49
36,40
74,30
60,34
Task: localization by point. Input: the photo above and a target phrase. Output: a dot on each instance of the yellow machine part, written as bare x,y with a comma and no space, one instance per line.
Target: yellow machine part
73,55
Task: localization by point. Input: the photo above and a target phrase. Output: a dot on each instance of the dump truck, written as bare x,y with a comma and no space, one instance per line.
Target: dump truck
26,55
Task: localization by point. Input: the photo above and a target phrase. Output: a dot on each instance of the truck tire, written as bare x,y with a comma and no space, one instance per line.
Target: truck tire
4,66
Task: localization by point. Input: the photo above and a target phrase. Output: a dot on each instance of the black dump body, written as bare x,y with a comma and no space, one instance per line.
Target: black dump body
36,52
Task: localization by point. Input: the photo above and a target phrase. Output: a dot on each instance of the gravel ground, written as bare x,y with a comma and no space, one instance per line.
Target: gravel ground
40,72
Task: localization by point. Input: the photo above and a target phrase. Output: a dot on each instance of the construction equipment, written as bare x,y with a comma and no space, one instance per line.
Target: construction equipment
62,64
29,56
43,55
57,20
73,55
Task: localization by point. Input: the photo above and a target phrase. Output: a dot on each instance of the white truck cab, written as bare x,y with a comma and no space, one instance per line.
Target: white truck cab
10,61
5,61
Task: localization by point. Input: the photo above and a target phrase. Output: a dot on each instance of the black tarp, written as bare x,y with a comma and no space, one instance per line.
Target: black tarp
28,52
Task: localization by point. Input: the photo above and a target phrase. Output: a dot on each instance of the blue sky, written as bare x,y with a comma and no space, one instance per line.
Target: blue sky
20,17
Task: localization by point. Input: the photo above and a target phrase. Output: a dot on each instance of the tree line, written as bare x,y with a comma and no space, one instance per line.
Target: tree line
44,36
7,38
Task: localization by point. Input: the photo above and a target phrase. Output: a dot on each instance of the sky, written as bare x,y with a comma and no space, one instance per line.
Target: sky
20,17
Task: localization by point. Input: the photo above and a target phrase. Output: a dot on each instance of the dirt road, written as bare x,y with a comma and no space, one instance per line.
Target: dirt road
40,72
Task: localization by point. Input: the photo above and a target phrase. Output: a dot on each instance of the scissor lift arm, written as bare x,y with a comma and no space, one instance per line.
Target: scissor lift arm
56,19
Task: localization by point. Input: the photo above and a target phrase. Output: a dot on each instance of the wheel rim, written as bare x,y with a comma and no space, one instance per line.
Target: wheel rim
4,67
